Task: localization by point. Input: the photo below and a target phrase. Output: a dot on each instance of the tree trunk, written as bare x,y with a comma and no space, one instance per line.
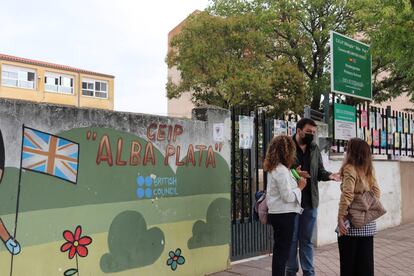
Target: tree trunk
316,100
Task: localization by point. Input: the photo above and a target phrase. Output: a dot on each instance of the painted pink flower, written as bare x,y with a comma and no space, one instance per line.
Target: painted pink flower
75,243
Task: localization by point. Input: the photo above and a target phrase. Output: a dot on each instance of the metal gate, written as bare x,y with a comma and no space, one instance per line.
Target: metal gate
249,237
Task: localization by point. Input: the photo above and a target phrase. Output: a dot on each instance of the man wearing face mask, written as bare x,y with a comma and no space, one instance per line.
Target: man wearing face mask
309,164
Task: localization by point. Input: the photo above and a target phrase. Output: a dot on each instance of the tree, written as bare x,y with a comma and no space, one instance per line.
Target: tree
300,31
297,32
224,61
388,26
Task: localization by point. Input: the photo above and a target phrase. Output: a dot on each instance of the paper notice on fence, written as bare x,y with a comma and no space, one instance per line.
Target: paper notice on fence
368,137
218,132
393,125
411,126
372,119
379,121
279,128
360,133
383,139
403,141
364,118
400,124
390,138
397,140
246,132
291,128
375,134
405,125
344,122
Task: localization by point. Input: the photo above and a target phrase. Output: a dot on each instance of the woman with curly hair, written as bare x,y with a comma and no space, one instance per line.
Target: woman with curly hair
283,198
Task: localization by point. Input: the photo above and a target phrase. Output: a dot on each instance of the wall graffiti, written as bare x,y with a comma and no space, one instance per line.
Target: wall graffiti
148,202
138,154
175,258
75,245
129,236
155,186
11,244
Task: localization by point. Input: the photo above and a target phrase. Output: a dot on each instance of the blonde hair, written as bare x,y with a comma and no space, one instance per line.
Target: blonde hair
358,155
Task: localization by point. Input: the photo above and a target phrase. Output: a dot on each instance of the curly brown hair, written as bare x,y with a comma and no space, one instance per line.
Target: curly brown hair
281,150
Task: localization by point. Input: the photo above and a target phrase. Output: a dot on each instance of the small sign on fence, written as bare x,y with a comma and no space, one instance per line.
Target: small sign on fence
279,127
218,132
246,124
344,121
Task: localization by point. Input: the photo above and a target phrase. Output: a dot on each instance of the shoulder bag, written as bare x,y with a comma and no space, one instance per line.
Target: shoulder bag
364,209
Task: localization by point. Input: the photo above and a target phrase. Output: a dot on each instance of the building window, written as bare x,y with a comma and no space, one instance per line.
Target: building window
95,88
58,83
18,77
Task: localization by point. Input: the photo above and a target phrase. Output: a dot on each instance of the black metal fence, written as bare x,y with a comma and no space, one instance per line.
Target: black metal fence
249,237
387,131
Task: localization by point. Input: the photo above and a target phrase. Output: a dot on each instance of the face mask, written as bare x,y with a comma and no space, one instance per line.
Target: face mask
308,139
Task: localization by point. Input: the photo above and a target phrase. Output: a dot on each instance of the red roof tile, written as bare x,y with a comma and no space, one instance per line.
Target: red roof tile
51,65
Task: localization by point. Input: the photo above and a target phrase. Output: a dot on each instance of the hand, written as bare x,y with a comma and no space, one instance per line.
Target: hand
302,183
13,246
342,227
335,177
304,174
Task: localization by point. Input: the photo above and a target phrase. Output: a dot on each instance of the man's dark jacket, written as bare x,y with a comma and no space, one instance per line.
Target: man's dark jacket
317,172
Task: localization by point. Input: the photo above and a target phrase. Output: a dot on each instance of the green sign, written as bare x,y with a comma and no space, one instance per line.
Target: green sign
344,121
350,67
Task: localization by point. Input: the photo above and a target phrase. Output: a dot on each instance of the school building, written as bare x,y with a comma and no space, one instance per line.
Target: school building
39,81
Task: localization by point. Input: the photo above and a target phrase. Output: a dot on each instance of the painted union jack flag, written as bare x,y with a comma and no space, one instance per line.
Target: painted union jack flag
49,154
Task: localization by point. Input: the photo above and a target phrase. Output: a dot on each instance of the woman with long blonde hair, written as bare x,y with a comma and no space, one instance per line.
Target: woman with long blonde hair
356,245
283,198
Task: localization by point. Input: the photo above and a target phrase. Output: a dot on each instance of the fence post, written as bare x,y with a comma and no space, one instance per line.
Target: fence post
326,108
388,116
307,112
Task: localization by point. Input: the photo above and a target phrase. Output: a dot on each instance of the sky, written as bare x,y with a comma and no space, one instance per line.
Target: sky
124,38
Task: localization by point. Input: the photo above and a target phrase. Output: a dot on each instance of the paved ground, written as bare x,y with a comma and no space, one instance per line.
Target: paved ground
394,255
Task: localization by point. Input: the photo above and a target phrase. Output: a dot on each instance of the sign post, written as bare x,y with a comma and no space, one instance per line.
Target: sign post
350,67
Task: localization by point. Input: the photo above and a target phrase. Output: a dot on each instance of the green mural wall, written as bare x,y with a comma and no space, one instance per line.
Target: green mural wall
137,208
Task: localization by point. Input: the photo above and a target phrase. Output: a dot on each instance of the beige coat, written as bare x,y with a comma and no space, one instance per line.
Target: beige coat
352,184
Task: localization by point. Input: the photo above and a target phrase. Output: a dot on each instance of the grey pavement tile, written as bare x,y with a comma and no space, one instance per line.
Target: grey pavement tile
393,253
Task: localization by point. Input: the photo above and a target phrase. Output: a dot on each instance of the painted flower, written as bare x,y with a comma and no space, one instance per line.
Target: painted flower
175,259
75,243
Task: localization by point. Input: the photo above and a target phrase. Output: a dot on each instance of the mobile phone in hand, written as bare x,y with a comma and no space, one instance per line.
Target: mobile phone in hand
347,225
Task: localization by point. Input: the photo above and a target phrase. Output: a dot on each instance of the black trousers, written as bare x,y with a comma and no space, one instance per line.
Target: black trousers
283,225
356,255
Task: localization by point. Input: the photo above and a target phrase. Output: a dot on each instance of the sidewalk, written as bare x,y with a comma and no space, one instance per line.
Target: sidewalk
394,255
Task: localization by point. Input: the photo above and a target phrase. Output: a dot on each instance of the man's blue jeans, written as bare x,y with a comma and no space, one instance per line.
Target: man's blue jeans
302,236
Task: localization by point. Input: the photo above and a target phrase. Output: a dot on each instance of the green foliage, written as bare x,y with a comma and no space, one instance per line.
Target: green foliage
294,34
249,52
227,61
388,26
300,31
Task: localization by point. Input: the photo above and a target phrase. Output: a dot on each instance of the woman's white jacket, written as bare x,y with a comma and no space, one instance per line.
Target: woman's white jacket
283,194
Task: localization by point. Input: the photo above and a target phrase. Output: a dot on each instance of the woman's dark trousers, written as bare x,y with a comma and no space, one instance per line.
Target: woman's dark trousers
356,255
283,225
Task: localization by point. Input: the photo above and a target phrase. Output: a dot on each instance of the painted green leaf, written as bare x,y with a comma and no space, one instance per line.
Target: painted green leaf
70,272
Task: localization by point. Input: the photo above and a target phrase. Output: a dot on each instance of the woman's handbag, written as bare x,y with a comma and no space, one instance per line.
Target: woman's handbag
364,208
260,208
